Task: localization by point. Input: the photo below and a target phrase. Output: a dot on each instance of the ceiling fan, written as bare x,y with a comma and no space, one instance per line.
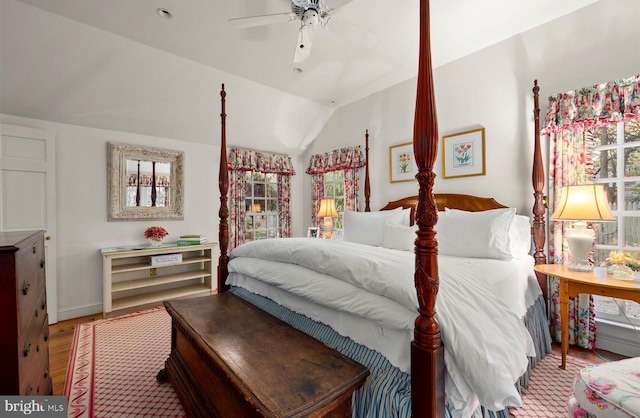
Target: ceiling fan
310,13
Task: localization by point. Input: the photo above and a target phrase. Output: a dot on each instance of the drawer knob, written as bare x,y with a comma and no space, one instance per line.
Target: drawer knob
27,348
25,288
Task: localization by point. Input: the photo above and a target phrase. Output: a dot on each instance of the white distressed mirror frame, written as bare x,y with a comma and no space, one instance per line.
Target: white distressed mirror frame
118,154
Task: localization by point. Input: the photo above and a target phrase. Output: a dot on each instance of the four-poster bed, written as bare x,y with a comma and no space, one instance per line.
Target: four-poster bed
427,352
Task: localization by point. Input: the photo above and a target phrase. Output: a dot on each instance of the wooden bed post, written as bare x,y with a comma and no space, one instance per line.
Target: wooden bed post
367,186
427,351
539,206
223,184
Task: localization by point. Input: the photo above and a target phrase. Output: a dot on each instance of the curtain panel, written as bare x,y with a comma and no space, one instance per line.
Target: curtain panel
570,119
243,160
349,159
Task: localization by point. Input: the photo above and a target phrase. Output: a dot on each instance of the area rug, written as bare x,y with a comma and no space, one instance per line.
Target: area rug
549,388
113,366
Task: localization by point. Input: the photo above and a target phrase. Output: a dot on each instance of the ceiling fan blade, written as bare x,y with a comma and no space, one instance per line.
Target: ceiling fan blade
253,21
352,32
303,46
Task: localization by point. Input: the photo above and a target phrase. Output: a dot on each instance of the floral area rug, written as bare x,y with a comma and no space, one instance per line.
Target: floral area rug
113,366
549,388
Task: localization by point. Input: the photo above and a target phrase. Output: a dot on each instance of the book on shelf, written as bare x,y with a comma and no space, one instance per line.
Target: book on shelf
182,242
194,236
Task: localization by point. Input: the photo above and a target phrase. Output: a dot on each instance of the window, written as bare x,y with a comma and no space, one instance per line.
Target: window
261,205
617,165
334,189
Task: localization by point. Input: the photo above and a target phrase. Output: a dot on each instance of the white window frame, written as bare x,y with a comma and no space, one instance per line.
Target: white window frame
264,231
338,219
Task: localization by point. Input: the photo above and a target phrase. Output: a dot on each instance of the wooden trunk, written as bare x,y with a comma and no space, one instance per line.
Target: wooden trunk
231,359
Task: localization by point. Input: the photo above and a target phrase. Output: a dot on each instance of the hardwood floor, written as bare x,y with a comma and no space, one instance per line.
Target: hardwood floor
61,339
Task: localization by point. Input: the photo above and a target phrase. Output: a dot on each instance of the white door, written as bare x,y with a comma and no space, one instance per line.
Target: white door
27,193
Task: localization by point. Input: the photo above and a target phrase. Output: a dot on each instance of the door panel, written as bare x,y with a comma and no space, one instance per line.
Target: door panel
27,193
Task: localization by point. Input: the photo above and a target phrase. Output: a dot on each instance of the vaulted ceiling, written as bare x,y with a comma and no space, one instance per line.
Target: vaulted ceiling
61,67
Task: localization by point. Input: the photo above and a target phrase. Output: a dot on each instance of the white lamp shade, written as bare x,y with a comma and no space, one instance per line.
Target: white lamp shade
327,208
583,203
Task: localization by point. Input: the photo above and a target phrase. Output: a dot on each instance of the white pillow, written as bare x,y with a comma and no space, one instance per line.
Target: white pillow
399,237
475,234
368,227
520,236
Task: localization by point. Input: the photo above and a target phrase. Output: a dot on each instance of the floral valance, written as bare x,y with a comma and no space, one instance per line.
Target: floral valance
249,160
591,107
339,159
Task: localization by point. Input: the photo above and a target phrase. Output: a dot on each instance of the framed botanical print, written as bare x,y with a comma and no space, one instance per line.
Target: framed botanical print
463,154
402,165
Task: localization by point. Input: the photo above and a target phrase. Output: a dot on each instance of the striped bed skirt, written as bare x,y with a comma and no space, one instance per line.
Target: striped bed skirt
387,391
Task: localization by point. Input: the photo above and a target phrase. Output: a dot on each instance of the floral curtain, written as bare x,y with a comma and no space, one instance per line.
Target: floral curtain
570,118
242,160
349,159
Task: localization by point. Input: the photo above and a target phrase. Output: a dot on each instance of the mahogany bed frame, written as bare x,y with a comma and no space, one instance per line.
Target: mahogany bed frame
427,350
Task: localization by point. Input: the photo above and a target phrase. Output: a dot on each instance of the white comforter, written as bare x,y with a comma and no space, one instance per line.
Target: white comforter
486,343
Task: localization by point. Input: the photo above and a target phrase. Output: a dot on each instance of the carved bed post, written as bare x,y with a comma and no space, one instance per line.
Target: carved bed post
367,186
539,207
223,184
427,351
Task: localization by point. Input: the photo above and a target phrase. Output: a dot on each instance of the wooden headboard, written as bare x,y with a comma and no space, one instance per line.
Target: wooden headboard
447,200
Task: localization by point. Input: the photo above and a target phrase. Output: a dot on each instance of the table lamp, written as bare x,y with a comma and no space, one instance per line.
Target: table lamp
582,204
328,211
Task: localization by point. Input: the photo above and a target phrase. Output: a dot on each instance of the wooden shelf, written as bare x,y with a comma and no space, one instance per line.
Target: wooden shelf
159,296
140,283
146,266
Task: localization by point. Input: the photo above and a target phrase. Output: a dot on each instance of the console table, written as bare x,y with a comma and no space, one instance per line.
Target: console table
572,283
131,279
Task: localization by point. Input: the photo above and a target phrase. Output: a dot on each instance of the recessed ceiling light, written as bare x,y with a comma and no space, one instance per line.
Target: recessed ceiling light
164,13
297,70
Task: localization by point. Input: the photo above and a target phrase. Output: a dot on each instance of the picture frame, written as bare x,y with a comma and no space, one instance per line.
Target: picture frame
402,164
463,154
312,232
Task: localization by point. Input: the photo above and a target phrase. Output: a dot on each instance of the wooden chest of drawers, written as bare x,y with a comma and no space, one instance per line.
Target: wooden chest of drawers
24,328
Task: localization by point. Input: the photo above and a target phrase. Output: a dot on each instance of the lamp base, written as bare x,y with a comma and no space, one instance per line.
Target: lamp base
328,227
580,240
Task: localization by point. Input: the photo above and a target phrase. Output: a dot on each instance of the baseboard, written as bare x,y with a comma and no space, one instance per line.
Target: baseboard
79,312
617,338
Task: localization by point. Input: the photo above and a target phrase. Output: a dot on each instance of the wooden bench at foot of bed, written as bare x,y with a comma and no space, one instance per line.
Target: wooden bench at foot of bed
231,359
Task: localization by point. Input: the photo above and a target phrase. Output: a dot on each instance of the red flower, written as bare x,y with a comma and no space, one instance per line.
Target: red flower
155,232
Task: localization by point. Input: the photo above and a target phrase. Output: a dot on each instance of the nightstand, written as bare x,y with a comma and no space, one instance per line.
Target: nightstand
573,283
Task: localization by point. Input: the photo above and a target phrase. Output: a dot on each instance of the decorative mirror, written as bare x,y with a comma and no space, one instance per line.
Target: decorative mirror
145,183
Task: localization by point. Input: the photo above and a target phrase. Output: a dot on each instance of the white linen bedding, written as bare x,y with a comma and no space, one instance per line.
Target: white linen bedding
348,285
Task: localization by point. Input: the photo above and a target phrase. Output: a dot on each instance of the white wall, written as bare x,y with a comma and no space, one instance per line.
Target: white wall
492,89
81,183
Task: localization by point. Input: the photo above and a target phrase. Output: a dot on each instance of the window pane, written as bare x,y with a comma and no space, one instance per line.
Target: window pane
339,175
329,190
261,235
259,190
632,131
339,189
272,205
271,178
605,135
247,206
328,176
272,233
632,162
248,189
633,259
248,222
340,204
632,231
611,191
632,195
272,190
272,222
250,236
604,162
606,233
258,205
337,223
260,222
257,176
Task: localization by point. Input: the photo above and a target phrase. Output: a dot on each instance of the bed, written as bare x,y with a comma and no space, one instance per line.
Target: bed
412,338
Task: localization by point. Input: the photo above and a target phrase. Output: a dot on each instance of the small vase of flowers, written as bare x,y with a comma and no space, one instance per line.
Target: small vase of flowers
155,235
618,268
